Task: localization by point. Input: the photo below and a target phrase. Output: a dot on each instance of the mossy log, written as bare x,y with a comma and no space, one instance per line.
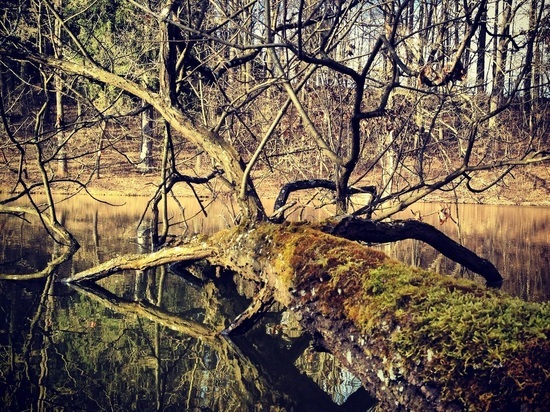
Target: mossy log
417,340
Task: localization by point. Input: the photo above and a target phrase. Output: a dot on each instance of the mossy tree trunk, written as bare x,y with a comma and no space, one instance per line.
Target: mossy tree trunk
416,340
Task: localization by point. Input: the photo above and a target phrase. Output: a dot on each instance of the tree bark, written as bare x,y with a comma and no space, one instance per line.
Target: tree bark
481,44
500,56
416,340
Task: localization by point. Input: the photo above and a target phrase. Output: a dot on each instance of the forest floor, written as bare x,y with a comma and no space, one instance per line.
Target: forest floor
529,185
526,186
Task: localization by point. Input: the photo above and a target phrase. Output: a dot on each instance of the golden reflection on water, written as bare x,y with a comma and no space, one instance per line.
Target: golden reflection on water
516,239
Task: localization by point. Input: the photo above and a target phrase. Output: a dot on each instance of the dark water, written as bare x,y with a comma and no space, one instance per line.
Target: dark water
136,341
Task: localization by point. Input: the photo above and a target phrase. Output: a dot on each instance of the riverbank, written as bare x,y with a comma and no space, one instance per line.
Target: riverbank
527,186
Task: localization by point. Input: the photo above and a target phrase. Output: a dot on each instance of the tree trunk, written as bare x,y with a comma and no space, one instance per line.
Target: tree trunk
146,147
416,340
529,104
99,150
62,165
481,44
501,56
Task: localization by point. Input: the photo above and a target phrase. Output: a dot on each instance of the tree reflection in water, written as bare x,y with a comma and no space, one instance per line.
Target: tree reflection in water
146,340
153,348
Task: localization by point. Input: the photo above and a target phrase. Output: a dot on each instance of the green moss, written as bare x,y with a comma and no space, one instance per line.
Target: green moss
311,259
456,333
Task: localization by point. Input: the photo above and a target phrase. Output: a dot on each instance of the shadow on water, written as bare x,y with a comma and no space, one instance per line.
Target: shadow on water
147,341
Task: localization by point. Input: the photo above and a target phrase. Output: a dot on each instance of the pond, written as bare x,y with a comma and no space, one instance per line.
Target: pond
135,342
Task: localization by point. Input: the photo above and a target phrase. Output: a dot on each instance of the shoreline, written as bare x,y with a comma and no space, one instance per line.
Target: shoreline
520,190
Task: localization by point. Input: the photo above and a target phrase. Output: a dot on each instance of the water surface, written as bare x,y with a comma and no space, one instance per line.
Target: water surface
135,342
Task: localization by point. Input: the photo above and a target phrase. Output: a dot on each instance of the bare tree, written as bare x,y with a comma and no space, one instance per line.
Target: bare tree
378,104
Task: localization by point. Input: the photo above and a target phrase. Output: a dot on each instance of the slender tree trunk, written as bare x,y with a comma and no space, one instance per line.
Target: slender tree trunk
168,156
168,55
501,56
62,164
388,164
99,150
530,70
146,150
481,46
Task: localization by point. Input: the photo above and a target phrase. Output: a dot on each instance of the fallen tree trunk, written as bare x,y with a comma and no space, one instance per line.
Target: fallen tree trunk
417,340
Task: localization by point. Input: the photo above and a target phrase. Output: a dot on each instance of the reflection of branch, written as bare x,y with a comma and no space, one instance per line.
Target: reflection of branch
232,365
40,309
153,313
68,242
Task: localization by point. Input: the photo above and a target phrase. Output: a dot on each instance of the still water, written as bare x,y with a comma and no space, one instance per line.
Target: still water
136,341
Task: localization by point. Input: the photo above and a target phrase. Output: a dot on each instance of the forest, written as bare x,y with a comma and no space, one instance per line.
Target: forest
366,107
